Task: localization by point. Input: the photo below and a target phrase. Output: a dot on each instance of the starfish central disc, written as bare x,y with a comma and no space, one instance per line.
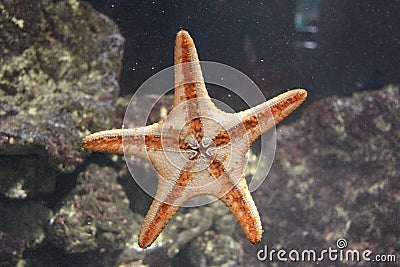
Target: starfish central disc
196,146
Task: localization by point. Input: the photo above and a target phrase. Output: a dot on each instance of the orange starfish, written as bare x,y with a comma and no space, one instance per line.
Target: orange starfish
191,149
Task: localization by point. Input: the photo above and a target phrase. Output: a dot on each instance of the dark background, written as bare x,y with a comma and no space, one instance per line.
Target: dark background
358,41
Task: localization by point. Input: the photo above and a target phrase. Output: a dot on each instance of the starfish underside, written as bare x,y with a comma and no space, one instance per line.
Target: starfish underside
198,149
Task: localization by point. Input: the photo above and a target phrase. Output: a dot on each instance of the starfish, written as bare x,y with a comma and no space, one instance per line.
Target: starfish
198,149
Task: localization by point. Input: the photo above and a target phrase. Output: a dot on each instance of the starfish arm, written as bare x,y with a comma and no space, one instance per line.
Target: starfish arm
133,141
264,116
189,82
109,141
257,120
190,90
234,191
169,198
158,216
241,204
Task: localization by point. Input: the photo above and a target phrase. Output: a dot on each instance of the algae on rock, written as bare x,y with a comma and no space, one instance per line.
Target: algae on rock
59,66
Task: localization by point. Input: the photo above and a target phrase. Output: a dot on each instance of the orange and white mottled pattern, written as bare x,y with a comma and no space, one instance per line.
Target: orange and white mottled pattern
207,144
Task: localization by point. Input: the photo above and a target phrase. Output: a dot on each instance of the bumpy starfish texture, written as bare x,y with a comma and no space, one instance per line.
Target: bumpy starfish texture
198,149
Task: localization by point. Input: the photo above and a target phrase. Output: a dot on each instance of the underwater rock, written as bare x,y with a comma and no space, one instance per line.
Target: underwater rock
187,227
95,215
11,249
25,221
189,224
20,176
212,249
59,66
336,175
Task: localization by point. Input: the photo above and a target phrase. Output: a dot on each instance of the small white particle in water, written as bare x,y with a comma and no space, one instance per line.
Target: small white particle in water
17,191
163,112
114,158
18,22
